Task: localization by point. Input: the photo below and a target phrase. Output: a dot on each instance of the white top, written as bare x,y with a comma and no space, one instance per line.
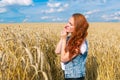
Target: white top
83,48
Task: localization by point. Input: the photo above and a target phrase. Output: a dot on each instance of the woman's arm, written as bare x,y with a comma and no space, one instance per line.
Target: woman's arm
65,55
61,47
58,47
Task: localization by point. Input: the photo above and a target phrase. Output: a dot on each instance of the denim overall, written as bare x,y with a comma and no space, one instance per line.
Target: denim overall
76,67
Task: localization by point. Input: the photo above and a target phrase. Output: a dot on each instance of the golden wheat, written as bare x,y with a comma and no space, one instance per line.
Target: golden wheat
27,51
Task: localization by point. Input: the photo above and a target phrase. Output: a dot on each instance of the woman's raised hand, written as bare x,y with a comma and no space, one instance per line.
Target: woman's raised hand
64,33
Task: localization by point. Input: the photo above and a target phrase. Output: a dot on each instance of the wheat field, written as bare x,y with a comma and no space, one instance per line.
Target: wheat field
27,51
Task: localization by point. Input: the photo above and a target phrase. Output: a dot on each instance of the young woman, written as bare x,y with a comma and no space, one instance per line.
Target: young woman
73,47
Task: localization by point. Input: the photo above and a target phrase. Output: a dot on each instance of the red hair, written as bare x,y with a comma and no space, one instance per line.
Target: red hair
78,35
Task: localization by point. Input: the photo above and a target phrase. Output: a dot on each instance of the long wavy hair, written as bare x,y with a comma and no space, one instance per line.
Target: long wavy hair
78,35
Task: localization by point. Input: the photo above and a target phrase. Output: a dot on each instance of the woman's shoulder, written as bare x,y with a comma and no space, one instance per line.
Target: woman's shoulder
84,47
85,42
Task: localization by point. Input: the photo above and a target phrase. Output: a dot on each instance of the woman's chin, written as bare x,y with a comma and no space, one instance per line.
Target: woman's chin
68,31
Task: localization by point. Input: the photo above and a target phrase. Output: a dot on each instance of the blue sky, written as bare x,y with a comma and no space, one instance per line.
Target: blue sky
18,11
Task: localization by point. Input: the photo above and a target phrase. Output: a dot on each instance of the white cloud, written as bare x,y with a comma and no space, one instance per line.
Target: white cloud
60,9
117,13
12,2
55,7
46,17
91,12
53,4
53,18
114,16
4,3
57,19
25,20
87,16
51,10
2,10
66,5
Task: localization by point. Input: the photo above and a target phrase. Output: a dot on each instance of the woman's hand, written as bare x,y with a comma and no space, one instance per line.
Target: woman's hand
64,34
62,40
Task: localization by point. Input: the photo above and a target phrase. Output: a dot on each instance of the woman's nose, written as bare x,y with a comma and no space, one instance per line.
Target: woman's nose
66,26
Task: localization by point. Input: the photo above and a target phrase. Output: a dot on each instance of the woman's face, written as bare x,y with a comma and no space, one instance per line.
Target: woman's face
70,25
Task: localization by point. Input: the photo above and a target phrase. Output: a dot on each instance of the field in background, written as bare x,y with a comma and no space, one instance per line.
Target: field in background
27,51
